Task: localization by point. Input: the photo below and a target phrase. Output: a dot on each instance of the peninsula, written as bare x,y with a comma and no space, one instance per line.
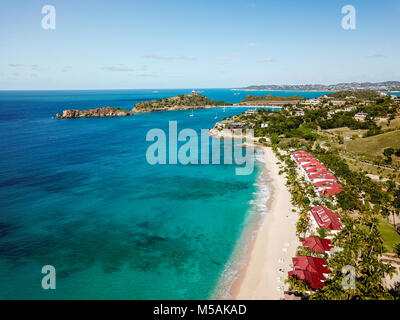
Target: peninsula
379,86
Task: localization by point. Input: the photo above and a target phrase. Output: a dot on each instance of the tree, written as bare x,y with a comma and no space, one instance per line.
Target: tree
388,152
295,284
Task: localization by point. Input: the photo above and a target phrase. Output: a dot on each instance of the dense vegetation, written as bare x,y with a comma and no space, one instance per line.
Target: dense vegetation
270,97
360,94
189,100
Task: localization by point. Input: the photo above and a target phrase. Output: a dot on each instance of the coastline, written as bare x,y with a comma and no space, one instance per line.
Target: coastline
274,245
267,244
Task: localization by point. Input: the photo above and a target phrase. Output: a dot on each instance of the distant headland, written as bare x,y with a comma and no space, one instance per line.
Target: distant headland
379,86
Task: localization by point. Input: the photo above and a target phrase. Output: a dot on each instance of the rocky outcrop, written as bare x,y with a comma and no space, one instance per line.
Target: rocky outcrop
96,112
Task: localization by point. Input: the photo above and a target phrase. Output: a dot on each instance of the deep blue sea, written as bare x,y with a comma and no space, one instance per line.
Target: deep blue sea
79,195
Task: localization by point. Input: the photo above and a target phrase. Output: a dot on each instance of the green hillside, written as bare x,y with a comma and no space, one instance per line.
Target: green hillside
374,146
189,100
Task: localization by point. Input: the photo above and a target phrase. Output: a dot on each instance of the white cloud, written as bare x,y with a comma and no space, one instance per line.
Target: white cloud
377,55
266,60
15,65
251,44
119,69
161,57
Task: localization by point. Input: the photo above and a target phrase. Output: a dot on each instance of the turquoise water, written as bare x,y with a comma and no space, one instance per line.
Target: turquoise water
79,195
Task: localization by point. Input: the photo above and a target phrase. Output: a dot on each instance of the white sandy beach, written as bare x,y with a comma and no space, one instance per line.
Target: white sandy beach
270,253
274,245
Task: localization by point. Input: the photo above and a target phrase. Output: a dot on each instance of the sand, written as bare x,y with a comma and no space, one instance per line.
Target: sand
269,256
274,245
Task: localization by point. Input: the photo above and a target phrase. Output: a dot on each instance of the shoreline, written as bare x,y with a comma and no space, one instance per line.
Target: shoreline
274,245
269,242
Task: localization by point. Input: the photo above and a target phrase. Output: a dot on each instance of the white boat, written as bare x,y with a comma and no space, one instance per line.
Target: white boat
191,115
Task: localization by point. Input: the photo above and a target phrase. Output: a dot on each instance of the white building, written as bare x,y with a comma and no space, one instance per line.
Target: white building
312,101
264,125
299,113
361,116
350,108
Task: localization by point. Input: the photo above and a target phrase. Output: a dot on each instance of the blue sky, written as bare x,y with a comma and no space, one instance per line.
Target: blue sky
196,44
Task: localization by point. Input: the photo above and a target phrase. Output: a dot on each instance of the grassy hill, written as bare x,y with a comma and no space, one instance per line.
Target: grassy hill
374,146
269,98
359,94
177,102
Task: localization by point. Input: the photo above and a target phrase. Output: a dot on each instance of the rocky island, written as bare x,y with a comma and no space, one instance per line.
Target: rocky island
193,100
93,113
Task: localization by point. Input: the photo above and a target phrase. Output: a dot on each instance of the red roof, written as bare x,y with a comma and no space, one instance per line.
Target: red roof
325,176
327,184
314,279
300,152
326,218
311,164
330,191
311,264
305,159
319,170
317,166
317,244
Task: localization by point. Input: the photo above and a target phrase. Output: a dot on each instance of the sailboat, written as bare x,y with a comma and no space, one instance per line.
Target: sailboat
224,108
216,115
191,115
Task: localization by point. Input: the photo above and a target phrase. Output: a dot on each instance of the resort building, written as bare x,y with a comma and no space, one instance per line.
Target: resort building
395,98
310,269
318,177
250,111
350,108
236,125
299,113
361,116
312,101
315,172
326,218
314,279
264,125
320,186
311,264
317,244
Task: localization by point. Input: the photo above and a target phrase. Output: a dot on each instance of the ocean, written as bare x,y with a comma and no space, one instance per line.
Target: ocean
79,195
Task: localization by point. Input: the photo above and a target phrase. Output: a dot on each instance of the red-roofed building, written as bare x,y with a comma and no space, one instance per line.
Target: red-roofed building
327,184
317,244
300,154
315,280
330,191
305,160
311,164
311,171
316,177
311,264
325,218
